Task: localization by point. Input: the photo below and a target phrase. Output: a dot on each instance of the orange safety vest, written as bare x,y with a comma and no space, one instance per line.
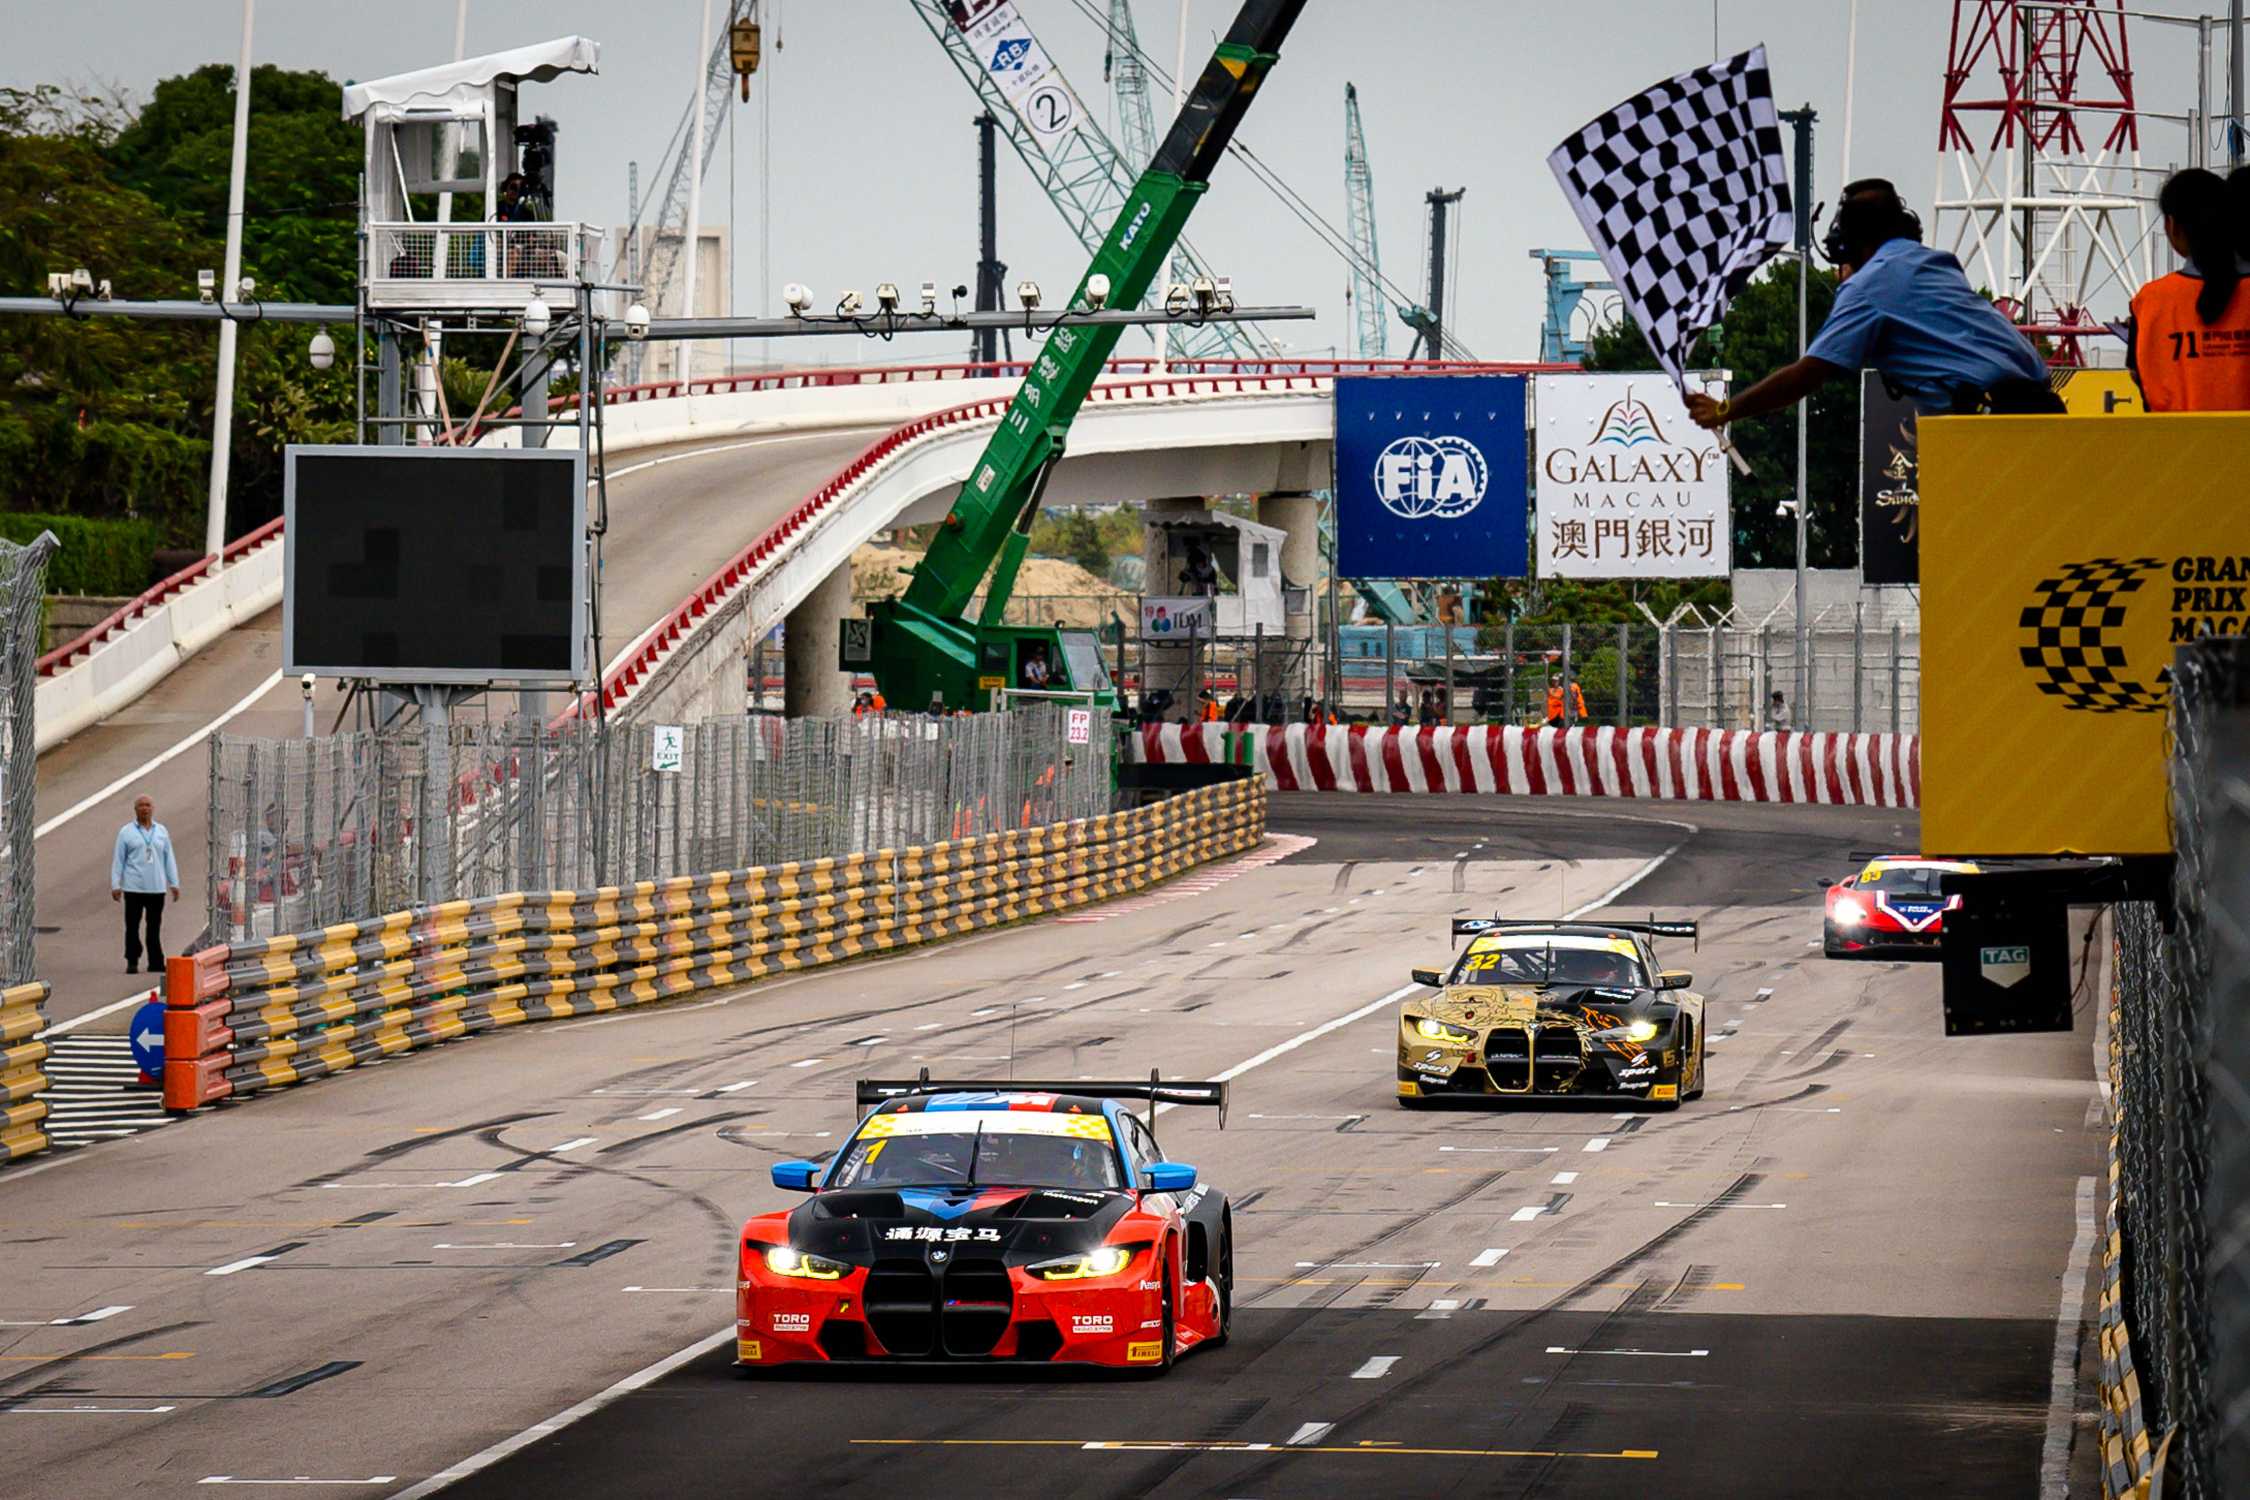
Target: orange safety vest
1577,701
1211,714
2183,363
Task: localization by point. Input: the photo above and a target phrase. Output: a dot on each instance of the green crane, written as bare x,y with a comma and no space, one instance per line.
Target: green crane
920,646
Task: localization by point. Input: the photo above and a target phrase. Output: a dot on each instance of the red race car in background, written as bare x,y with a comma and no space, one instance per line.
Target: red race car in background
988,1221
1892,908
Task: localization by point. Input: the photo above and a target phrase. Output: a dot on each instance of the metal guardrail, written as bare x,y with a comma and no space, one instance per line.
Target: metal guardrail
245,1017
423,264
2180,1178
22,1080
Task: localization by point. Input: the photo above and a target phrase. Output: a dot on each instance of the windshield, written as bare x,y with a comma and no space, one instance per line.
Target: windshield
1534,960
951,1150
1904,880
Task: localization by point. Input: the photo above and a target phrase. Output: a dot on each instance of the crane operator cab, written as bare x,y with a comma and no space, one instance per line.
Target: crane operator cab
1041,660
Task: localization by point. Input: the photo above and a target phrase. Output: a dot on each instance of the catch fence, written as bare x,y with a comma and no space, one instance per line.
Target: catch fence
2180,1066
23,575
310,832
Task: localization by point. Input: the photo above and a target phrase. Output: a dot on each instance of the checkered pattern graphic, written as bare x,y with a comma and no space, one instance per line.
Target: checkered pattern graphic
2070,648
1684,192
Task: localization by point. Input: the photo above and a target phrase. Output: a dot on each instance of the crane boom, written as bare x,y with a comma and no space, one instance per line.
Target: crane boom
923,650
1136,123
1370,313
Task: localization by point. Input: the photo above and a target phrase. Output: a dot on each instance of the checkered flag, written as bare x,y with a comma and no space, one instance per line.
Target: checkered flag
1684,193
2070,648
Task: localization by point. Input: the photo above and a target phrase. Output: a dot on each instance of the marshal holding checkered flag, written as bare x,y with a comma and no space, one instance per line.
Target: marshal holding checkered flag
1684,192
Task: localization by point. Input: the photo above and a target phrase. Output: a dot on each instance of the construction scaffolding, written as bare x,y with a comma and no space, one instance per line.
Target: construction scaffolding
23,575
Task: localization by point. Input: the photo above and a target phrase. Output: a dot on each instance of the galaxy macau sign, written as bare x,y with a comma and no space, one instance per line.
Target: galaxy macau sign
1627,486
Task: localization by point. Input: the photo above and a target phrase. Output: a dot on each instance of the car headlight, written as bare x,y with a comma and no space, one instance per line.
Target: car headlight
784,1261
1849,911
1438,1031
1642,1030
1106,1260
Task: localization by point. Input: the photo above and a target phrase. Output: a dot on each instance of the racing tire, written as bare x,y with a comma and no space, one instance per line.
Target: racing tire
1171,1301
1702,1063
1225,1281
1828,944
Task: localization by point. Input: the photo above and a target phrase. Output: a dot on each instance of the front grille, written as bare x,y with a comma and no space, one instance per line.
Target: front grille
842,1340
961,1309
1525,1059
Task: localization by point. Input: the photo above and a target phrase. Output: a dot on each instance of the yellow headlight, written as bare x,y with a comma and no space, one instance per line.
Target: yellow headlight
784,1261
1107,1260
1438,1031
1641,1031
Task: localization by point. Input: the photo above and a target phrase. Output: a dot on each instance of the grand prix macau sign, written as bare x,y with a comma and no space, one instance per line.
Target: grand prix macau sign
2063,563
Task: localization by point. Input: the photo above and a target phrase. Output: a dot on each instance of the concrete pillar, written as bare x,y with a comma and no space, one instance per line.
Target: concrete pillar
812,685
1168,667
1297,514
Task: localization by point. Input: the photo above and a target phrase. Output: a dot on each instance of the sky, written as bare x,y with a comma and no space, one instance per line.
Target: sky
859,132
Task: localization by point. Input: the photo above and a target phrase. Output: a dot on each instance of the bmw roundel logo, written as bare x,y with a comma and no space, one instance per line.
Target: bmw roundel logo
1426,478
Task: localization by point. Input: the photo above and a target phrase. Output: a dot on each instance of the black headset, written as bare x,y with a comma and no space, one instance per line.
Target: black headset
1869,214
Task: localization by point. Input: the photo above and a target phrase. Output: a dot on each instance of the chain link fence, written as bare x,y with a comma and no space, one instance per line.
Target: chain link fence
23,578
306,832
2184,1135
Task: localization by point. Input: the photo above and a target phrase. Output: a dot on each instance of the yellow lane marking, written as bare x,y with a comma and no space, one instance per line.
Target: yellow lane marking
1167,1445
1599,1286
37,1358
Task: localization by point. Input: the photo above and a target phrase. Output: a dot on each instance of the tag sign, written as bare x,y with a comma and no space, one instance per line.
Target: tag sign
668,748
2007,966
1079,726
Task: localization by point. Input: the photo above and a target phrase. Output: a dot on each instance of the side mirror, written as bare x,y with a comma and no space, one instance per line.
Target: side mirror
1848,881
1168,1176
1674,979
796,1176
1430,977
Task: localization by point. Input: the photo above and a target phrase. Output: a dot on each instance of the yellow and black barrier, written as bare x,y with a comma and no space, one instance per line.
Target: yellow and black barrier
23,1079
251,1016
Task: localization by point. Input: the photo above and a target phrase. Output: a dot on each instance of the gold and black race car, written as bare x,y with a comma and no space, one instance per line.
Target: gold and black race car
1546,1009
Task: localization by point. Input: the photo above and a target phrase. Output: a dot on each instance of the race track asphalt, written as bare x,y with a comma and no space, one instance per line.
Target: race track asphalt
1836,1275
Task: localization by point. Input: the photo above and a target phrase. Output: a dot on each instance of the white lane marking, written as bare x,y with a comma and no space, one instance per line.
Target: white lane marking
810,1062
2062,1389
1625,1114
1438,1310
1374,1369
1282,1049
299,1479
471,1181
1643,1353
1787,1109
1762,995
80,1321
866,1041
145,767
1598,1143
1488,1257
79,1411
1564,1178
1310,1432
1369,1265
586,1408
584,1140
1660,1203
243,1264
1308,1117
61,1028
930,1026
659,1114
1523,1215
509,1245
736,1088
676,1289
1501,1150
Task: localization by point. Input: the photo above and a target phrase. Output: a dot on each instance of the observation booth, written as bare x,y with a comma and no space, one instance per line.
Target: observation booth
1215,611
441,228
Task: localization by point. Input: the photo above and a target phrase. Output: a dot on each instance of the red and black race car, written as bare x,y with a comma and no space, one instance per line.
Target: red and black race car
982,1220
1892,908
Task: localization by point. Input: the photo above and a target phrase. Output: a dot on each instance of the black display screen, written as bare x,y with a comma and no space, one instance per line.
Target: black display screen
417,564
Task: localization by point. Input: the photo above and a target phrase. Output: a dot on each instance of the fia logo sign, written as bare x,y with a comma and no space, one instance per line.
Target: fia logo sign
1440,478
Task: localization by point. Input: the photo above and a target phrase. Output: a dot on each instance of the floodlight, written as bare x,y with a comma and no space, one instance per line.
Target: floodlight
1097,292
798,296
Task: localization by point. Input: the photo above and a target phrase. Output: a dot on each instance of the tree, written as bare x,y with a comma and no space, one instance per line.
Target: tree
1758,337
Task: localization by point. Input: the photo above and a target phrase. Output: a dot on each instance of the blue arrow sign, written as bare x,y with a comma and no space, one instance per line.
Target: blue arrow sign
146,1035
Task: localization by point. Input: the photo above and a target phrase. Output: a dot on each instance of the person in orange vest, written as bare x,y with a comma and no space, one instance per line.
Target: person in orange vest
2190,346
1210,713
1555,702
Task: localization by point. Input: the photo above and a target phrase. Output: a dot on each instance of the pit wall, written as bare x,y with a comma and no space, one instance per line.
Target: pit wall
254,1016
1707,765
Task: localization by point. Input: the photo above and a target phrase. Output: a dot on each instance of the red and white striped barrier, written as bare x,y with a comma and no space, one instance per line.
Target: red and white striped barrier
1705,765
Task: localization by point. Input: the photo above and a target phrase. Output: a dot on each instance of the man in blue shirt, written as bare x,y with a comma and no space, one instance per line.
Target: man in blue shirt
141,871
1904,310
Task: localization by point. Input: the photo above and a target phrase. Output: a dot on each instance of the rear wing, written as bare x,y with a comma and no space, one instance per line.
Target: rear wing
1155,1089
1472,926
